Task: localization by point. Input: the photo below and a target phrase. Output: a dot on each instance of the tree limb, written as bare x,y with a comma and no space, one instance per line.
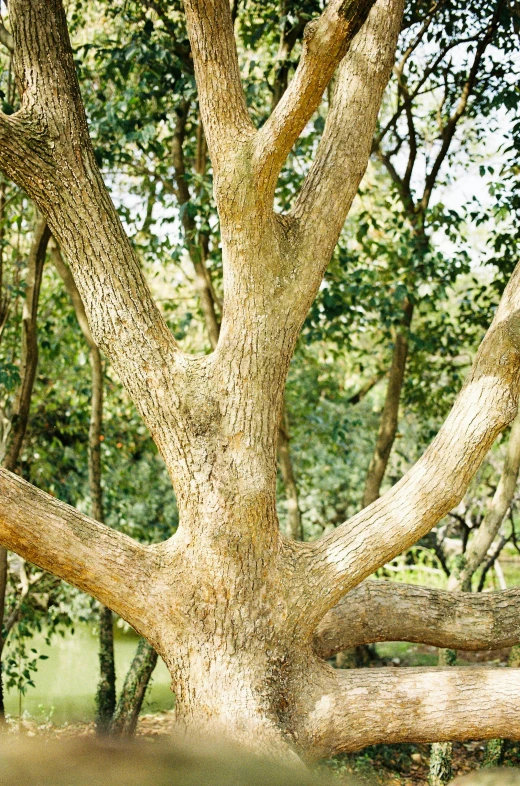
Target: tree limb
222,102
388,611
49,136
342,155
91,556
437,482
361,707
29,352
325,41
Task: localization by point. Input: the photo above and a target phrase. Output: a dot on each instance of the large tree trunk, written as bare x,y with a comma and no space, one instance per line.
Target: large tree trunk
230,605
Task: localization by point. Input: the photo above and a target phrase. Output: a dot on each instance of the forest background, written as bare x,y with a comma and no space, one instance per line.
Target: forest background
422,262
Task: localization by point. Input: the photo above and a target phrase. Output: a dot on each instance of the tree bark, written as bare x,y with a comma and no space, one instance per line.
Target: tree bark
378,611
413,704
106,691
229,604
390,414
124,721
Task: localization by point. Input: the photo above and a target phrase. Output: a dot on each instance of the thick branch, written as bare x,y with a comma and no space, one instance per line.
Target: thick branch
437,482
222,102
343,153
370,706
93,557
45,148
325,41
388,611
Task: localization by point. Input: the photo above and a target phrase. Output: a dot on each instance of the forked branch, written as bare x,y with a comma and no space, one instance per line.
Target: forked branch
325,42
388,611
45,148
343,152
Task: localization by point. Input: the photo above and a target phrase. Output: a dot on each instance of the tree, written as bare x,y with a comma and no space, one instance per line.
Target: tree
230,605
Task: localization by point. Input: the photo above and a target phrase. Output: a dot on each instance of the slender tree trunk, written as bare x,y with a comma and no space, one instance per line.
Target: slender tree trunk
126,715
441,753
389,417
14,438
294,519
106,693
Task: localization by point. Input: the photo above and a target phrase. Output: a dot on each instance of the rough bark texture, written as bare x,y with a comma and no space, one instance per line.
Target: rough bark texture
229,604
388,611
106,690
130,701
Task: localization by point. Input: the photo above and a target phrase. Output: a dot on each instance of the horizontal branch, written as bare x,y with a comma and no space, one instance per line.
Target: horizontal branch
371,706
437,482
325,42
387,611
91,556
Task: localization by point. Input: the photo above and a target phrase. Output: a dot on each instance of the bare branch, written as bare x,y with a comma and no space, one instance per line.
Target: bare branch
91,556
450,127
362,707
388,611
437,482
325,42
342,156
222,102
